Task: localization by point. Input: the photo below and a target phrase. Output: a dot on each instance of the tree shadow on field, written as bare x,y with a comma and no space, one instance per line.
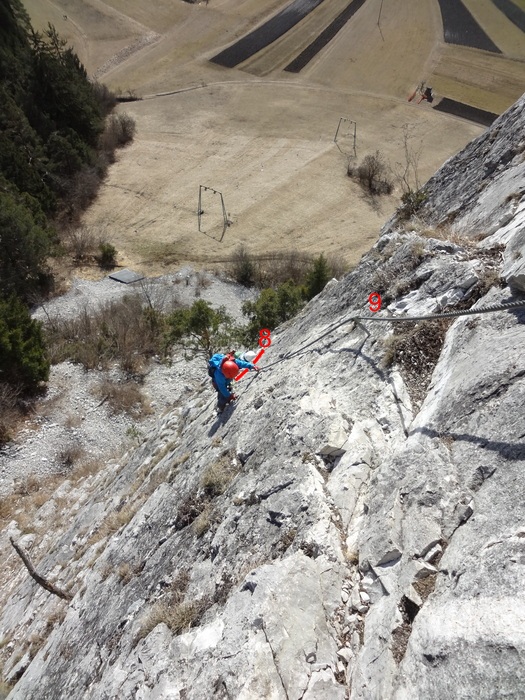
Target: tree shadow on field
372,200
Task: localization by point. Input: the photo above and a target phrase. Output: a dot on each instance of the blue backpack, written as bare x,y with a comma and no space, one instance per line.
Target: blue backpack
216,361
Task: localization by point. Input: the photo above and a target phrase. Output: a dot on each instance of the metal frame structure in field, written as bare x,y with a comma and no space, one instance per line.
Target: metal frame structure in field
200,210
350,121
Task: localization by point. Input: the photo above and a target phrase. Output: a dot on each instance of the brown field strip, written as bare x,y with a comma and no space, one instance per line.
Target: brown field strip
506,35
477,78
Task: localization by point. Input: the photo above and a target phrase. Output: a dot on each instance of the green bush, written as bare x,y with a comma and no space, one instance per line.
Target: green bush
107,258
411,203
243,269
202,329
23,361
317,277
273,307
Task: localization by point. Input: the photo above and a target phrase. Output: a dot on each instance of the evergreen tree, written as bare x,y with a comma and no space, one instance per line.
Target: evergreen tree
61,90
273,307
22,160
23,361
201,329
25,243
317,277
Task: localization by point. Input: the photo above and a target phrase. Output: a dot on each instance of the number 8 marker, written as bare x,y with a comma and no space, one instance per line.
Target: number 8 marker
264,338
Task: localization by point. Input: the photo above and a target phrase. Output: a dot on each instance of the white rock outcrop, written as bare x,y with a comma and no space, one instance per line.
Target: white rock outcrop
328,537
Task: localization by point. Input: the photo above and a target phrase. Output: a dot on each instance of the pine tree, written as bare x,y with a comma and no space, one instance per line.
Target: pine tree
24,244
317,277
23,361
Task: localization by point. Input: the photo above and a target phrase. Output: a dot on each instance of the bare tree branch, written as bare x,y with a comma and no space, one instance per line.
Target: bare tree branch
36,576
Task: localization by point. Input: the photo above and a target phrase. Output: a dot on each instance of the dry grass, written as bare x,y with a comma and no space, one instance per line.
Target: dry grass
73,420
219,475
5,689
184,616
28,496
190,508
71,455
57,617
156,615
11,412
126,572
288,538
351,556
203,521
179,618
124,331
415,349
115,521
87,468
162,452
125,397
106,571
40,498
182,459
446,232
32,484
173,611
36,642
394,275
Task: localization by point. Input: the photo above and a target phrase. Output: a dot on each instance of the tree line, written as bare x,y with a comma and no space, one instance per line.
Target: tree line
57,138
56,142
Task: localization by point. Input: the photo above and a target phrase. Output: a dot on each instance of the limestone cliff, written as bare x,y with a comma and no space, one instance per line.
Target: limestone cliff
353,528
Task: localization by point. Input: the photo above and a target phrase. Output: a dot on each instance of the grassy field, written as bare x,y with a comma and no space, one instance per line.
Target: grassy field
264,137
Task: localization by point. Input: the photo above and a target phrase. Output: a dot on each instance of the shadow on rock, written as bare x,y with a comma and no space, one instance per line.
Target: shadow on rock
221,419
508,450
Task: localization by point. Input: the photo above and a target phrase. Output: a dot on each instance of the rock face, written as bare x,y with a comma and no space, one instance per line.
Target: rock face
345,531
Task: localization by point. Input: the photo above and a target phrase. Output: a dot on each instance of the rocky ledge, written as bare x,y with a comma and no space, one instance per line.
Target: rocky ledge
353,528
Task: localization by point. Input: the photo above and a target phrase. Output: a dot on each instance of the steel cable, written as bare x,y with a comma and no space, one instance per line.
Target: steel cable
406,319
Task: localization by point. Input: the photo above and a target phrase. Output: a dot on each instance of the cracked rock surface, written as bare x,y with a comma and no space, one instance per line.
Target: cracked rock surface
321,539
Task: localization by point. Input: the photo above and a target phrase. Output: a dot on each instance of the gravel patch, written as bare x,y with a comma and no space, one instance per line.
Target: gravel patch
182,287
73,418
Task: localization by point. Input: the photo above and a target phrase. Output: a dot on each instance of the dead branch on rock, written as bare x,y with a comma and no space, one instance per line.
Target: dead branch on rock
36,576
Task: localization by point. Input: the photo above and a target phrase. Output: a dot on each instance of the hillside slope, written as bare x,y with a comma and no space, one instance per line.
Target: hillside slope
346,531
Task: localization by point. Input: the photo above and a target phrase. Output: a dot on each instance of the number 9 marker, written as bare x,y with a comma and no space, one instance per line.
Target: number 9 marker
375,301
